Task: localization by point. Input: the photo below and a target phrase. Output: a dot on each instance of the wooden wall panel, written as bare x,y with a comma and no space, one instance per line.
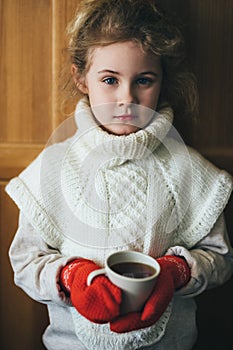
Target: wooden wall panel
22,320
208,29
212,50
63,106
31,43
14,157
25,70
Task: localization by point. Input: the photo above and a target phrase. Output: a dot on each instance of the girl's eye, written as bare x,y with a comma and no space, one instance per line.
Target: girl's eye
110,80
144,81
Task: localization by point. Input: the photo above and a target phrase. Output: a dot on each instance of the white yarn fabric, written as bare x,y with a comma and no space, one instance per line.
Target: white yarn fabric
97,193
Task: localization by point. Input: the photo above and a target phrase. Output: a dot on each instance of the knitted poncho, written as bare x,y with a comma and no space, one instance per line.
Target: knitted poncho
96,193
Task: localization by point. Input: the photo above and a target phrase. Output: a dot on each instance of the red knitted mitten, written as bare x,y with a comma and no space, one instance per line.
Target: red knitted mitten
99,302
174,274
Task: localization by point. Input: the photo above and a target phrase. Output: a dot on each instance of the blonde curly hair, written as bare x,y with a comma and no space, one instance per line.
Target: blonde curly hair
104,22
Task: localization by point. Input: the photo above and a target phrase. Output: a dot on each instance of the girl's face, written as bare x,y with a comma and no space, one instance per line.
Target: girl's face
121,80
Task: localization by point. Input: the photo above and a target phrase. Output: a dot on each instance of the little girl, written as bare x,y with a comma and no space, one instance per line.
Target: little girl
123,181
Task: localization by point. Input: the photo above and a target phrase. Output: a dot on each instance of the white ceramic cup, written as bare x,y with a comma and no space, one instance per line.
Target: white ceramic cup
135,290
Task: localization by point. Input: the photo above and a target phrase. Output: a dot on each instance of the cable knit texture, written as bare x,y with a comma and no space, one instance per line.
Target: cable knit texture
97,193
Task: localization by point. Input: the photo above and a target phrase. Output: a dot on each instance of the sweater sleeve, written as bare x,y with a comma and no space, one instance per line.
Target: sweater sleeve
211,260
37,266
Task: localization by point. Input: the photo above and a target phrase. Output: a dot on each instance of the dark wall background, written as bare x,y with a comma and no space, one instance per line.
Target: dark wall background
208,29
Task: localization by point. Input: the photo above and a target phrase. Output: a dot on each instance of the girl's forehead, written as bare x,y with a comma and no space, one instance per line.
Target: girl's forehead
121,54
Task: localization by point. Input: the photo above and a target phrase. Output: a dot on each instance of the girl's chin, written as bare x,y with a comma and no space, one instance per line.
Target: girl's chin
120,129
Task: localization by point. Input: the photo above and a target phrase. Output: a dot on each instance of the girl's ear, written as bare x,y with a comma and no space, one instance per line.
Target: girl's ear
79,81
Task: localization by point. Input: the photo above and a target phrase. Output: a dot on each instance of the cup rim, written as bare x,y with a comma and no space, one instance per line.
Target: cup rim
142,255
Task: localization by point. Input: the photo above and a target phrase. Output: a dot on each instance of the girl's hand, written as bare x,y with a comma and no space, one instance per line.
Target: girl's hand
99,302
174,274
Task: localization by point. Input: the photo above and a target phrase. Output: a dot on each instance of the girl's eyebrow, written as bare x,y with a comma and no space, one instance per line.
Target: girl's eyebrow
149,73
108,71
117,73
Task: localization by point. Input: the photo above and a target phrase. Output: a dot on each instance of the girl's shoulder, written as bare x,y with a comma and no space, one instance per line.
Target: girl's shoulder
185,168
175,153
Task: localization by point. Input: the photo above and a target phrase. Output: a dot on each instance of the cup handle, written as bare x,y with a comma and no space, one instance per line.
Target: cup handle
94,274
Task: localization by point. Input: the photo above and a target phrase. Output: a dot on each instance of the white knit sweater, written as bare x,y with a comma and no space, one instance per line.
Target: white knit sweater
96,193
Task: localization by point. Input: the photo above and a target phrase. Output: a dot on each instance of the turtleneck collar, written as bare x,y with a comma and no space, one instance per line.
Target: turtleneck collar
133,146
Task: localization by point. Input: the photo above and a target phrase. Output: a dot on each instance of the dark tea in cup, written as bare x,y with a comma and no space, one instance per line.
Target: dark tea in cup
133,269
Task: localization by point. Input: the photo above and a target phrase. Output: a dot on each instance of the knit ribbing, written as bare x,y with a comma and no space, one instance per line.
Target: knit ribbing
127,147
100,337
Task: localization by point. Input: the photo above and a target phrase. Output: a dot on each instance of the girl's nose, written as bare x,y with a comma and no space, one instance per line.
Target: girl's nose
127,95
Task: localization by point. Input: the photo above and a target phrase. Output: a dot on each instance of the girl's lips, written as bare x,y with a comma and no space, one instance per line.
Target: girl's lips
125,117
